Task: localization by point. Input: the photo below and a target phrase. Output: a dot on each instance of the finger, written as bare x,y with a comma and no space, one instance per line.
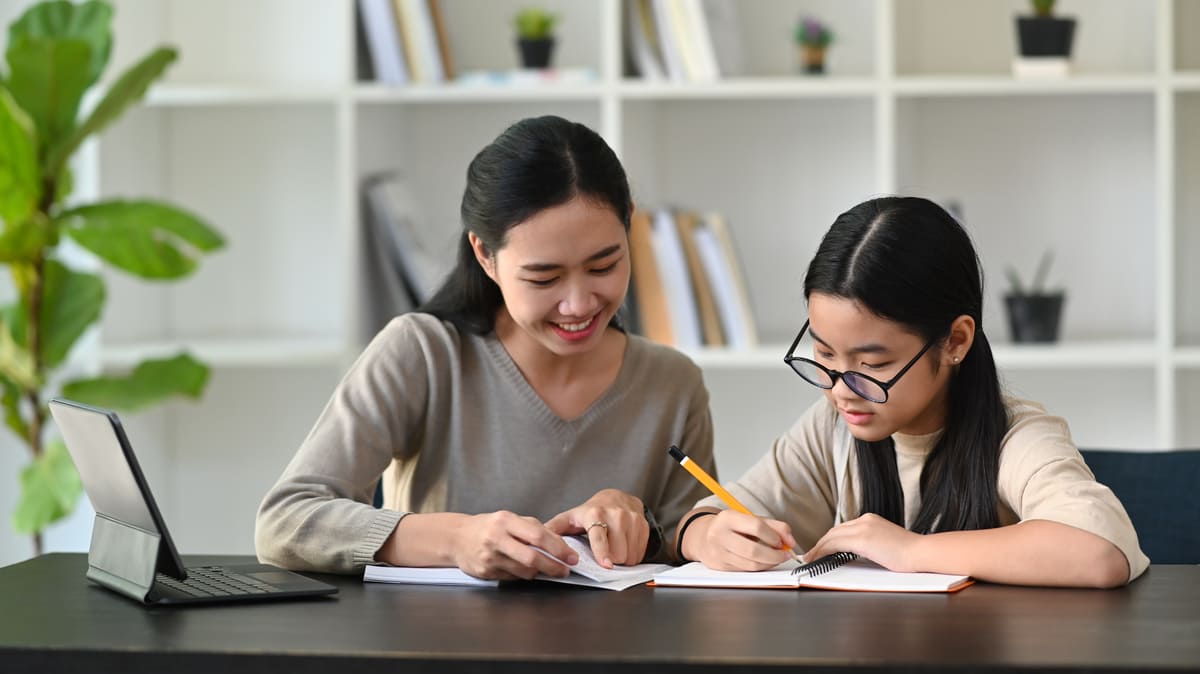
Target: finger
531,532
597,533
527,562
563,524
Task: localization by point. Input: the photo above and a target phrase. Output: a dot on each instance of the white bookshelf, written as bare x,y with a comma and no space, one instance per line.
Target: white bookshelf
265,128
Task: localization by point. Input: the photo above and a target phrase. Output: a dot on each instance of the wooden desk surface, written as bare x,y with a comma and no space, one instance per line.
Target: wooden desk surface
53,619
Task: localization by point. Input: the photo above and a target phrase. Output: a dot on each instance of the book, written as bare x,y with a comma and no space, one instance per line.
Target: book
383,41
841,571
650,299
1038,67
728,282
706,304
676,281
587,572
642,41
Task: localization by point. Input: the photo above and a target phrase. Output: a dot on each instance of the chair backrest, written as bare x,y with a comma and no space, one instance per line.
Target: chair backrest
1161,493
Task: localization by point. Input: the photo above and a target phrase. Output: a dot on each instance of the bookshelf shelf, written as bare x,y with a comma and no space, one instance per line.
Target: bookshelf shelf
750,88
1004,85
182,95
478,93
1188,357
231,353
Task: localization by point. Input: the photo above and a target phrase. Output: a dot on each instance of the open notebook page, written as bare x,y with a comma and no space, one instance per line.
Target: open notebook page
586,572
860,575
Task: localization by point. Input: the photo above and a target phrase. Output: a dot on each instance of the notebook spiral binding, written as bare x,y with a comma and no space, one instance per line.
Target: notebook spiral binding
825,564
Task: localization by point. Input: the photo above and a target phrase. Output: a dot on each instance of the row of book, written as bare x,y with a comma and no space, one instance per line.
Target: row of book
688,288
683,40
406,41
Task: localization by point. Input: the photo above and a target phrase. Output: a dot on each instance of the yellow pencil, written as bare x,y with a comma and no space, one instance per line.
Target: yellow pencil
713,486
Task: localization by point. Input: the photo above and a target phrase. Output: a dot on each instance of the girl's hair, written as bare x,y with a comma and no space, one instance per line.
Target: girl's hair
907,260
537,163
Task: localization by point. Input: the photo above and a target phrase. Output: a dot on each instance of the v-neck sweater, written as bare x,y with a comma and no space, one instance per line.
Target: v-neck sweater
452,425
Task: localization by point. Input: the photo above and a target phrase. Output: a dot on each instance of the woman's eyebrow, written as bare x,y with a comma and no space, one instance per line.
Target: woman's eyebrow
871,347
549,266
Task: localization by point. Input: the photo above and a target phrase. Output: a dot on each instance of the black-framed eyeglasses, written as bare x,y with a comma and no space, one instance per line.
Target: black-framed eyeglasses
867,387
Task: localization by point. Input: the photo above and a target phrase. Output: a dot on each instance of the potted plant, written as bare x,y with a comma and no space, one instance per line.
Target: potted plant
56,53
1034,312
812,37
535,36
1043,34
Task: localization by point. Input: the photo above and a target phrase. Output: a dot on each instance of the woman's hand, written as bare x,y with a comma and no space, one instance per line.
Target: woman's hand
614,523
500,545
879,540
733,541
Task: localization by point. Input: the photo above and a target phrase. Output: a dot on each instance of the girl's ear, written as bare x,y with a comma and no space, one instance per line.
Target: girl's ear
482,256
958,343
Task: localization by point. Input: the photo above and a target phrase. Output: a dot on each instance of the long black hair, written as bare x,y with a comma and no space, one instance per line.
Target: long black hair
907,260
535,164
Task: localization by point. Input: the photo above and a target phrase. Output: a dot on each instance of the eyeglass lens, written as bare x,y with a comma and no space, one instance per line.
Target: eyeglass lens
818,377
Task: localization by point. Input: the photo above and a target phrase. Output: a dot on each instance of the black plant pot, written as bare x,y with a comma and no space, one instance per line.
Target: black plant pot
536,53
1034,318
1045,35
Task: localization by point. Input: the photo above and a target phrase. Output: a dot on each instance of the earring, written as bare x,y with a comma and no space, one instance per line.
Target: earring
956,359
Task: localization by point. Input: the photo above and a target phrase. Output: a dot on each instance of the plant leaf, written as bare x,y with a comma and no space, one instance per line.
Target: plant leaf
128,89
12,411
47,78
25,240
71,302
89,22
20,180
16,363
50,489
141,237
150,382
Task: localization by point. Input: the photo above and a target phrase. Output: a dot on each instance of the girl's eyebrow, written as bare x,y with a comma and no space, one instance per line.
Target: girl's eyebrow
547,266
858,350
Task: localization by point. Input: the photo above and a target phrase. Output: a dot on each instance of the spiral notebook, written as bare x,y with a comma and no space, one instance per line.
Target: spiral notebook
840,571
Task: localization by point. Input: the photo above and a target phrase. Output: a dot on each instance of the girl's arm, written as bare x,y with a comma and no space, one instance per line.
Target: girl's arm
1033,552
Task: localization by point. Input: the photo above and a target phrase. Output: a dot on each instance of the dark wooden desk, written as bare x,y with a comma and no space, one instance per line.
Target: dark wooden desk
54,620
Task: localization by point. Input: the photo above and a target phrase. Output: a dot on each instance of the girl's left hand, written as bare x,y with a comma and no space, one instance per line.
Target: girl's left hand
614,524
873,537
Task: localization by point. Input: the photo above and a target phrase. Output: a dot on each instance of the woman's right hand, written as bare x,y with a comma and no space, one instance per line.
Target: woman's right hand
500,545
733,541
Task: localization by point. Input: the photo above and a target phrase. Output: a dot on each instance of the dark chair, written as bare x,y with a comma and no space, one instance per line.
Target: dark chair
1161,493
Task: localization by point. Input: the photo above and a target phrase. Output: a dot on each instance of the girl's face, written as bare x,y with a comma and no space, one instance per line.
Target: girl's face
563,274
847,336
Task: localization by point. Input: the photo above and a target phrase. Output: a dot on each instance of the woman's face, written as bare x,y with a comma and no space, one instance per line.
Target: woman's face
563,274
847,336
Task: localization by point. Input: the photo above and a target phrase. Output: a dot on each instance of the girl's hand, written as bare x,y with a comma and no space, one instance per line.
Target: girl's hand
733,541
615,526
873,537
499,546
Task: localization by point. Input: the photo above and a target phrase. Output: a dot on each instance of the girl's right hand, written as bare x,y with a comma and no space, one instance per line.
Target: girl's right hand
500,546
733,541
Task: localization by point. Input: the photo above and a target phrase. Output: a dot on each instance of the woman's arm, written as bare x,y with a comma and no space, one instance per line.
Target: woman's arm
492,545
1034,552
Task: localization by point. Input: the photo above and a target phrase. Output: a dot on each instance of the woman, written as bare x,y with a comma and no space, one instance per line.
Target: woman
511,409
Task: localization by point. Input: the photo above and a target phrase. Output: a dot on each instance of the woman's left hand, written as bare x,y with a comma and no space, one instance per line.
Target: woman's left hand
614,524
873,537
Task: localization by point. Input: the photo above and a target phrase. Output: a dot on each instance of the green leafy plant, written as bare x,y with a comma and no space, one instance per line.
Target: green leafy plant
1042,7
813,33
56,53
535,23
1038,286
